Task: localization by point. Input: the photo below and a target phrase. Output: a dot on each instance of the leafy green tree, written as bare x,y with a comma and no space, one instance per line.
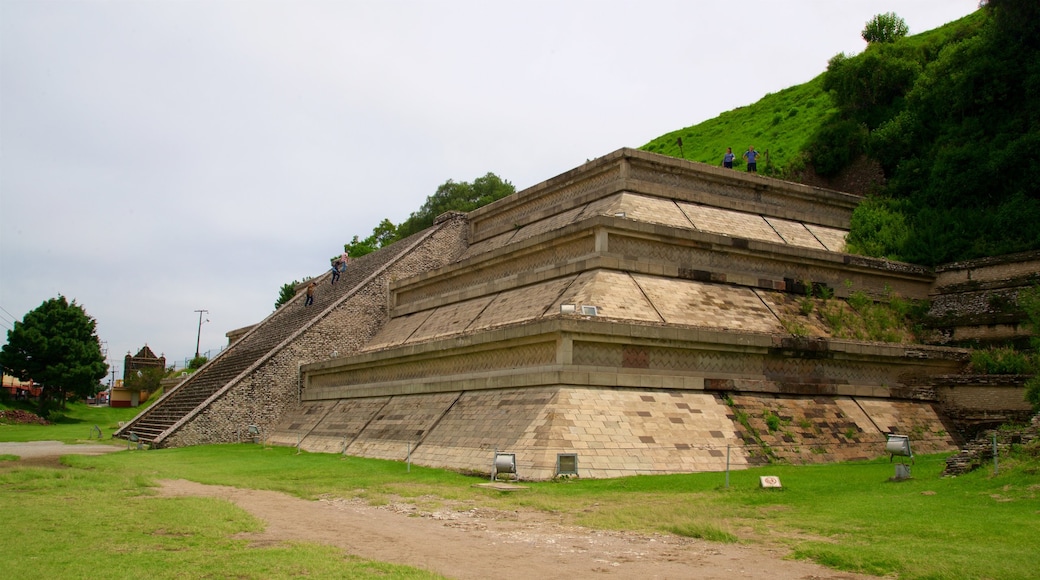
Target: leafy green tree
382,235
287,292
450,196
869,87
887,27
197,363
57,347
951,120
455,196
146,379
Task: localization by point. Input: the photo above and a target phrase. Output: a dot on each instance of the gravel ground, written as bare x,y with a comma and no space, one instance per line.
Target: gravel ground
55,449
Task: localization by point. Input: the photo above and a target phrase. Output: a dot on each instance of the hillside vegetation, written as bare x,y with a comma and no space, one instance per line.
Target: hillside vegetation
780,126
950,117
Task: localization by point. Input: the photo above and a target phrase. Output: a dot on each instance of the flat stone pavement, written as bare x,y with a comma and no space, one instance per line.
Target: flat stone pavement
33,449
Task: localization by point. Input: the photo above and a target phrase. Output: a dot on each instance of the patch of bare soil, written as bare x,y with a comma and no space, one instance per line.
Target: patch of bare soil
48,453
861,177
484,543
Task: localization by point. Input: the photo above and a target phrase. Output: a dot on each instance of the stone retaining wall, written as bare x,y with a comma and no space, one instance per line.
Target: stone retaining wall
976,301
980,450
613,431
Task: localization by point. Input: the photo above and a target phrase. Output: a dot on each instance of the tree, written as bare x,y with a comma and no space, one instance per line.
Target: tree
286,294
146,379
382,235
453,196
56,346
887,27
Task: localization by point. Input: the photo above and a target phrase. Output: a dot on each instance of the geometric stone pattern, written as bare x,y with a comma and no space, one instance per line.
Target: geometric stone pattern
520,304
400,424
622,431
727,264
614,294
829,429
641,208
499,216
617,295
832,238
479,423
920,421
795,233
548,224
342,424
618,432
397,330
702,304
450,319
615,432
482,361
488,245
730,223
685,367
758,372
304,420
745,192
549,255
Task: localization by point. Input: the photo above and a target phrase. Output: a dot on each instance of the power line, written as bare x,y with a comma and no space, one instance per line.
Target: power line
12,316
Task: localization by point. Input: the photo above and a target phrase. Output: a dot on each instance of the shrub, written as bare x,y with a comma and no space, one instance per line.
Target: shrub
1002,361
1033,392
878,228
836,144
772,421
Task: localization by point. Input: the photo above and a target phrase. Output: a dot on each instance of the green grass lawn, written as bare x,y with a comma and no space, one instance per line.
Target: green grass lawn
847,516
74,425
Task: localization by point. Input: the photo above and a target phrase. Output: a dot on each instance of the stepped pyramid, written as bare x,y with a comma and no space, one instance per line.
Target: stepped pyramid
632,315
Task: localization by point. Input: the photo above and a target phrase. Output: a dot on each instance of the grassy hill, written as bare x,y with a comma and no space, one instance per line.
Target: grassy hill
946,121
780,125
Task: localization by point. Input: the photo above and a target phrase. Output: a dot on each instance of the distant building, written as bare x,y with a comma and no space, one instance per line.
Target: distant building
145,358
18,389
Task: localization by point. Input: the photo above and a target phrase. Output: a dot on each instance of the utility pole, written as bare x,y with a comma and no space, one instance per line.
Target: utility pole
198,336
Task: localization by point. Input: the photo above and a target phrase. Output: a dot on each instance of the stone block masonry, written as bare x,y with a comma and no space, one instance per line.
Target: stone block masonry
627,313
270,385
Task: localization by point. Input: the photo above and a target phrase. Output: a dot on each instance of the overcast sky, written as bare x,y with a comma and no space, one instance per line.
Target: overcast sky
161,157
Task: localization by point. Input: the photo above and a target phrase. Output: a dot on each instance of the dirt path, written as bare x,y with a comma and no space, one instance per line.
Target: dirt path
482,543
47,453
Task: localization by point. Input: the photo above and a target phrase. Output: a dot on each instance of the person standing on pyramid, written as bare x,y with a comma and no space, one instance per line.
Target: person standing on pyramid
751,155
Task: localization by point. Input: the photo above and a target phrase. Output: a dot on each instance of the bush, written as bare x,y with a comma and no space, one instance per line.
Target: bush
1002,361
836,144
878,228
1033,392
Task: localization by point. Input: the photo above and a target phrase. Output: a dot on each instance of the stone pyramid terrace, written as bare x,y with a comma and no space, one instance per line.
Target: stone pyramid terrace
629,315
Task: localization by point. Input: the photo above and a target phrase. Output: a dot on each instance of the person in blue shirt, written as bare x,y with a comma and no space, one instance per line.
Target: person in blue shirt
727,159
751,155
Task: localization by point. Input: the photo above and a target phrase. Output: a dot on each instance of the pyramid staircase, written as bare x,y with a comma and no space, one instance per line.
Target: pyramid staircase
276,331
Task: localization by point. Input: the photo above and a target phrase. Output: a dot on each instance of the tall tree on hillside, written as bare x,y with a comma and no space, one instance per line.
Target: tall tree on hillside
56,347
456,196
450,196
887,27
